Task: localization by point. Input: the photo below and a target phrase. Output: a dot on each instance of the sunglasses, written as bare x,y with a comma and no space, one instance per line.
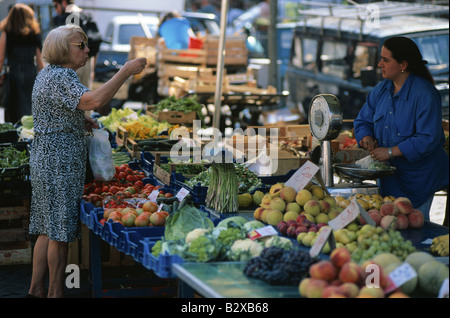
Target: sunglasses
81,45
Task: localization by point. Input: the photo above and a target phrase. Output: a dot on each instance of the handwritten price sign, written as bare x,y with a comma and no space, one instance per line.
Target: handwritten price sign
181,194
302,176
347,216
153,195
323,237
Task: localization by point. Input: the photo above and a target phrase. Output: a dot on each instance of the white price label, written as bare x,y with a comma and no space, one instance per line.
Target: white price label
302,176
268,230
160,208
320,241
153,196
347,216
402,274
443,291
182,194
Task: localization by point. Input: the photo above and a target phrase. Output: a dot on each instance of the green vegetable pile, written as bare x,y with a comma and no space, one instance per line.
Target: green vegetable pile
189,169
247,180
377,165
6,127
227,241
11,157
186,105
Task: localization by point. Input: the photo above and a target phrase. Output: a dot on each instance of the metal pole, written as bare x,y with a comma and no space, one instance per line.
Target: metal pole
272,45
220,63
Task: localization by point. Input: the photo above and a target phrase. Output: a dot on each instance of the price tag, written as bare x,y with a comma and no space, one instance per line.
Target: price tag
324,236
302,176
347,216
182,194
443,291
268,230
399,276
160,208
152,196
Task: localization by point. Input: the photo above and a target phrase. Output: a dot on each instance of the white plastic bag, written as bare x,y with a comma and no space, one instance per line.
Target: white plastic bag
100,155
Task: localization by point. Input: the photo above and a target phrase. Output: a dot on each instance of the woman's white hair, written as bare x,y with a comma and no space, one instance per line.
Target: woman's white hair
55,49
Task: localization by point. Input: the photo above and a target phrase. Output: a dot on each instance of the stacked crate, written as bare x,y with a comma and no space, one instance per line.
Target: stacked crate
182,70
15,194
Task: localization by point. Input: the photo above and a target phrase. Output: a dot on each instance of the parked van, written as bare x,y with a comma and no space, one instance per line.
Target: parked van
339,55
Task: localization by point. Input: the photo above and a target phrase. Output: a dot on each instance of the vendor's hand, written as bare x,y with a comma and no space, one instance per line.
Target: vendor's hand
368,143
90,123
135,66
380,154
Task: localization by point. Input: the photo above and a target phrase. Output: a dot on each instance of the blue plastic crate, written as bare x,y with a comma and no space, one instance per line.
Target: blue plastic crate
161,265
130,239
86,208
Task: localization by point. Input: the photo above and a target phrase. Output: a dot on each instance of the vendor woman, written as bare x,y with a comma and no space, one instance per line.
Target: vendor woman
401,123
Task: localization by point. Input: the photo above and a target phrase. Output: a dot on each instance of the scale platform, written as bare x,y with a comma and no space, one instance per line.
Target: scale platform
347,190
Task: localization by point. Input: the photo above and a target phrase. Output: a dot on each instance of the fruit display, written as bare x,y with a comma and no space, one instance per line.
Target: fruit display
439,246
284,203
147,215
375,240
340,277
278,266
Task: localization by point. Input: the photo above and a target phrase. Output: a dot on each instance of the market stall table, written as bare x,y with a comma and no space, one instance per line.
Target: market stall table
226,280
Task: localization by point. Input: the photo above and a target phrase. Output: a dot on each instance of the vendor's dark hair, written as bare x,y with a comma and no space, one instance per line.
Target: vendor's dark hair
405,49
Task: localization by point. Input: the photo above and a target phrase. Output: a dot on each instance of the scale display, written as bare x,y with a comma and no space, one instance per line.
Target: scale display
325,117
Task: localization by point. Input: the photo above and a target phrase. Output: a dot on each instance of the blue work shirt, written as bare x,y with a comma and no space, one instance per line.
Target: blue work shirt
175,33
411,120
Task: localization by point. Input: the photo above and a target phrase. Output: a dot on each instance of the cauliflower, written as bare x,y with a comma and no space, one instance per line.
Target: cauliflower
204,248
279,241
192,235
244,250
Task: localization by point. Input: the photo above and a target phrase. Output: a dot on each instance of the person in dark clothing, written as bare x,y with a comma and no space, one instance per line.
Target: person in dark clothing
20,45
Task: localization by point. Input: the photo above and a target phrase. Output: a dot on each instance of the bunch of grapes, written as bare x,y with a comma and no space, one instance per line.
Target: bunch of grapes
278,266
375,240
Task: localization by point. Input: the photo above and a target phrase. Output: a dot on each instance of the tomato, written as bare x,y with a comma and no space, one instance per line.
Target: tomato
128,171
123,167
122,175
139,184
168,195
114,189
98,190
105,189
130,178
117,169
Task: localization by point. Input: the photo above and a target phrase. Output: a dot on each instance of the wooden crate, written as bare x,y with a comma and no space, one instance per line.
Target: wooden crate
172,117
235,47
236,52
15,246
121,136
15,253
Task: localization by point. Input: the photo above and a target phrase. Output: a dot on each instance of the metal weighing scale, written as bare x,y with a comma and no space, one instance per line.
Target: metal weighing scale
325,122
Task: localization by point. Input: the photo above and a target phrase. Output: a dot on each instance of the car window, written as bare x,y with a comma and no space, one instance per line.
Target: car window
435,49
304,52
333,59
365,56
126,31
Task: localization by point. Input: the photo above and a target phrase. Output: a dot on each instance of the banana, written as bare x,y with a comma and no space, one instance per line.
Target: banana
440,245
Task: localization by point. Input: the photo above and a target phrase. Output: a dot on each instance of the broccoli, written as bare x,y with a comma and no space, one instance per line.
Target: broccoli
228,236
203,249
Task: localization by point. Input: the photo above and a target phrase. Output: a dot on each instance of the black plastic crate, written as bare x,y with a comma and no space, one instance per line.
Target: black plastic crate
15,175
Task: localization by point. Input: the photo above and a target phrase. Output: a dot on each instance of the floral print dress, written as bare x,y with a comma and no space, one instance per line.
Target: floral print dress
58,154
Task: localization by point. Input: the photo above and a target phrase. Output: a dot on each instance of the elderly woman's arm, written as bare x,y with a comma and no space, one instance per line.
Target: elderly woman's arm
101,96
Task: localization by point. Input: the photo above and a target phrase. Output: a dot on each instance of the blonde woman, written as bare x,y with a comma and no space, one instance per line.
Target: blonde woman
20,44
58,154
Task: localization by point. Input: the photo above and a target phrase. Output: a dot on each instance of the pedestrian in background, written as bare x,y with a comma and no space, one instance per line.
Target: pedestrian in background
20,45
58,154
